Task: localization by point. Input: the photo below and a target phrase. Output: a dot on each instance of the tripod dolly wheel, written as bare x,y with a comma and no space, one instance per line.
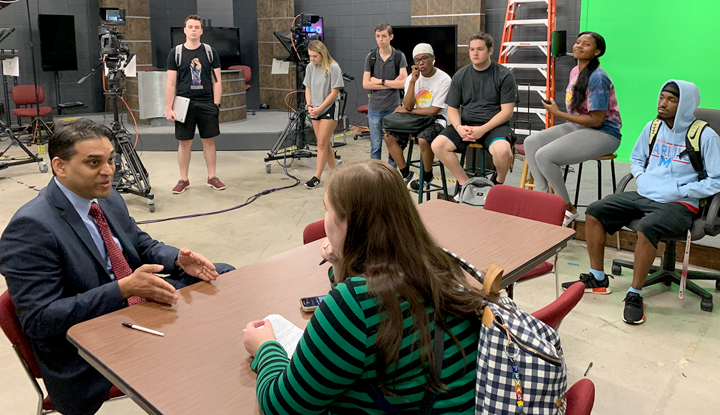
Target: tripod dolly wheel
151,205
268,167
43,167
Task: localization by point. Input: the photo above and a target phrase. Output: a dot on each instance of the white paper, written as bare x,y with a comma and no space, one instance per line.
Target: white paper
286,333
11,67
131,68
280,67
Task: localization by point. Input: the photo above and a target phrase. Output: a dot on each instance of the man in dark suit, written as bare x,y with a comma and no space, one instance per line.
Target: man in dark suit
73,253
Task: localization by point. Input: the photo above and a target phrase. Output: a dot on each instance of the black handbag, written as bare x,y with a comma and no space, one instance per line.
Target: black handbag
406,122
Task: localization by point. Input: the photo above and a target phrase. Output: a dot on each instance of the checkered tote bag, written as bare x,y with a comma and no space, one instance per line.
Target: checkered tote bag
520,366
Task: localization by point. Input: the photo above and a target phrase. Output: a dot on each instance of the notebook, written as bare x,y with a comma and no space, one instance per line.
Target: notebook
180,107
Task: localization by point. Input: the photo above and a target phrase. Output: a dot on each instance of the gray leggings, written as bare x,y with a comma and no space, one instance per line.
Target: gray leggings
560,145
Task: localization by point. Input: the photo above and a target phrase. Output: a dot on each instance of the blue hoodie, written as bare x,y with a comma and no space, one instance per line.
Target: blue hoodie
668,177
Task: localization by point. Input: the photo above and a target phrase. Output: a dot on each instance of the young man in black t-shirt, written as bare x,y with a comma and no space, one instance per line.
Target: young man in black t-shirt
486,91
198,79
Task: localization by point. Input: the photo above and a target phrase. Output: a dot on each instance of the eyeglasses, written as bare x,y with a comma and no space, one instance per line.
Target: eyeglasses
418,60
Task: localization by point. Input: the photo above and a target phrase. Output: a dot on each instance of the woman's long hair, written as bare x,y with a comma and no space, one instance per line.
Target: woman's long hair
580,90
388,244
319,47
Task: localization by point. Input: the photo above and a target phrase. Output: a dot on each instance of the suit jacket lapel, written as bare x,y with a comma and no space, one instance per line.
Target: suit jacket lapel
69,214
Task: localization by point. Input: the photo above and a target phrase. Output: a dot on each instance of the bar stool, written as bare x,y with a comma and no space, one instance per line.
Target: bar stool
363,109
421,176
472,171
526,179
599,160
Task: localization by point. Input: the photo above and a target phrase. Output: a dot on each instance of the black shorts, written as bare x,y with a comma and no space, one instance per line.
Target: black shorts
428,134
204,115
502,131
327,115
657,220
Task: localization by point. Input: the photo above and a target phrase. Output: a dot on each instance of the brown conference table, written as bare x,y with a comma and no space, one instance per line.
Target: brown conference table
201,366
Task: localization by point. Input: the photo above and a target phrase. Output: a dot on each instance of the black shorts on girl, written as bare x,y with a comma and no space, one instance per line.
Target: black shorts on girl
327,115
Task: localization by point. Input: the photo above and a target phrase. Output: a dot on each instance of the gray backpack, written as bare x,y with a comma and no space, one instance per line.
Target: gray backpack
208,52
474,191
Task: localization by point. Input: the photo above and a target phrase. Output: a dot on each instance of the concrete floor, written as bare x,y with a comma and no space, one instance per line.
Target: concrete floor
668,365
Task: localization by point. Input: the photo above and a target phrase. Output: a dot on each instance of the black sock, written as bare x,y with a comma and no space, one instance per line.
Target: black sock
494,179
405,171
428,176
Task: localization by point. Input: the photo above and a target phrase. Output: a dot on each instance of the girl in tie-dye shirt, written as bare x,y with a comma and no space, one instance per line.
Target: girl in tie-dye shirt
592,127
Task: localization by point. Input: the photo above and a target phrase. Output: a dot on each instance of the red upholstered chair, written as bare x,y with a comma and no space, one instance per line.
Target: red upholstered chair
21,344
24,98
580,397
314,231
554,313
246,71
363,109
523,203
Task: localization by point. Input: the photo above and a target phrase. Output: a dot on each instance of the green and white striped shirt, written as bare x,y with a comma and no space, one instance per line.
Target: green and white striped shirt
336,352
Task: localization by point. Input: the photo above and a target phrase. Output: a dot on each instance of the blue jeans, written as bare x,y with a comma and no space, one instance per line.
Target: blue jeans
375,125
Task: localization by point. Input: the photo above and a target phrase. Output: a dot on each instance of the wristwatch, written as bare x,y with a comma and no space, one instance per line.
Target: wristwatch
383,82
218,105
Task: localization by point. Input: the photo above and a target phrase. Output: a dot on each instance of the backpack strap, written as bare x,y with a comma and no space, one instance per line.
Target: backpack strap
209,53
178,55
373,59
692,147
654,129
398,58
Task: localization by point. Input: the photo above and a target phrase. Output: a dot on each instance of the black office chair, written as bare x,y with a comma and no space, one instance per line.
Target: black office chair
707,224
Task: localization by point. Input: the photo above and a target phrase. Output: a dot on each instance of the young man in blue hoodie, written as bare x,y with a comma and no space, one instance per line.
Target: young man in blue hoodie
667,198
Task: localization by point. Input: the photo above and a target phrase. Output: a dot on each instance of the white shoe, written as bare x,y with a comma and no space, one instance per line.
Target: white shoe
569,218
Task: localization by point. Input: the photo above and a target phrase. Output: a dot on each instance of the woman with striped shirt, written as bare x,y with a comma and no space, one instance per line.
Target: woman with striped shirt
374,331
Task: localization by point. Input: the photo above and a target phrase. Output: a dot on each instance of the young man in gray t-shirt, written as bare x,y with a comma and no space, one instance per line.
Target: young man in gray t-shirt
384,79
481,102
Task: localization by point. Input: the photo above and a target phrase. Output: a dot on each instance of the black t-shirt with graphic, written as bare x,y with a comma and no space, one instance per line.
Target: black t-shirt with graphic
194,75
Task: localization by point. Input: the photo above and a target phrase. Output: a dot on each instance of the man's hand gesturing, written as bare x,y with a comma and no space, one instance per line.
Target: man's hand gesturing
144,283
196,265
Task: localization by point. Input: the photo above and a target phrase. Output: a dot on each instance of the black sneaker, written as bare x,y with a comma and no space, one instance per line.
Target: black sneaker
415,185
312,183
409,178
592,285
634,312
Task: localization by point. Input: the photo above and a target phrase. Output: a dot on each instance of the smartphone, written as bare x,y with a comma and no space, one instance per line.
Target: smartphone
309,304
547,101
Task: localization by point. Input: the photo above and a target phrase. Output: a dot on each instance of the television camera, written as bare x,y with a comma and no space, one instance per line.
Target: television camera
130,174
292,143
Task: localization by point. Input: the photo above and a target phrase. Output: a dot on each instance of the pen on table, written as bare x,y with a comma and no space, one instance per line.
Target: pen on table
258,327
141,328
588,369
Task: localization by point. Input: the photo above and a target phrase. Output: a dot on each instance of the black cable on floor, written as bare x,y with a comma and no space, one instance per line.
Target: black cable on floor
247,202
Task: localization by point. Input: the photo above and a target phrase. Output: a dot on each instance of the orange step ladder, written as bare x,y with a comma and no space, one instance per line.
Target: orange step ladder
546,67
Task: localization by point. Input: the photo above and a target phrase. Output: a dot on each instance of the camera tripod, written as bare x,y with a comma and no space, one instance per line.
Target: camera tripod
6,162
130,174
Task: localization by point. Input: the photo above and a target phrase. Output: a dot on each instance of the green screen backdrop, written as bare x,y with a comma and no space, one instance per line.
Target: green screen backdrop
649,42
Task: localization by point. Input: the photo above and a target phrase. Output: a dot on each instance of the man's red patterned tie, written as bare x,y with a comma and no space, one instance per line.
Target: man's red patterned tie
120,267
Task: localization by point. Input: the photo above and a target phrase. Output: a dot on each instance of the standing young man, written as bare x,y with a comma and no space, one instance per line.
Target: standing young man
194,73
425,93
487,93
385,73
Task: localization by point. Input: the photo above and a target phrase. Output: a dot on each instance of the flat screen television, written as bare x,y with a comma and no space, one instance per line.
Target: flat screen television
226,40
57,42
443,39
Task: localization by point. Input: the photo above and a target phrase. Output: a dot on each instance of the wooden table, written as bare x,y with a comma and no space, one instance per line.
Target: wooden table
201,366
